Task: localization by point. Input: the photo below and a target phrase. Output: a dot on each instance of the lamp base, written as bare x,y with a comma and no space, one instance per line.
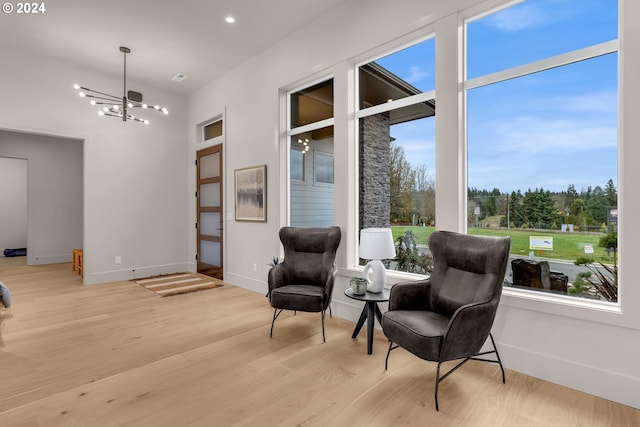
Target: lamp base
378,276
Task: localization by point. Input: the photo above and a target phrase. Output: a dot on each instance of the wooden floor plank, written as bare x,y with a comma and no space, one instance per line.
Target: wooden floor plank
117,354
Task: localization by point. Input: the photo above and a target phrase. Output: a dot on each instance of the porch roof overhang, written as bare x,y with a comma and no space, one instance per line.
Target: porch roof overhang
379,85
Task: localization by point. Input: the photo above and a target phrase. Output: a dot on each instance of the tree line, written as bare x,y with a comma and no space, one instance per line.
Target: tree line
540,208
413,201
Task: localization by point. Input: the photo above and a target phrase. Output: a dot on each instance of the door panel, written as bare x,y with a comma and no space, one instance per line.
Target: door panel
210,253
210,194
209,210
210,224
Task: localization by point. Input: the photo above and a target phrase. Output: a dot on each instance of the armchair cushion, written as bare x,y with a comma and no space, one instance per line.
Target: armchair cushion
308,298
421,332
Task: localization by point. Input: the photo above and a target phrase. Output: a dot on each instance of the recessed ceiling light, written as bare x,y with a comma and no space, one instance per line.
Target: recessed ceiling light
230,19
179,77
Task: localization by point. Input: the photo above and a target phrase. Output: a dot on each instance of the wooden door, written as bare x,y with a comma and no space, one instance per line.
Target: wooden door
209,210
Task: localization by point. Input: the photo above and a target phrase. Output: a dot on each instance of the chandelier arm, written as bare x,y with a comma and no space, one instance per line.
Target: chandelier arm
109,100
100,93
147,108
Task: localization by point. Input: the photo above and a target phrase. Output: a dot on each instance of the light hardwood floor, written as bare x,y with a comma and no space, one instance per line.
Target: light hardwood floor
119,355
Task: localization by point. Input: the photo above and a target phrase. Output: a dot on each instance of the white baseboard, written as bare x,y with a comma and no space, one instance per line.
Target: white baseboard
245,282
135,273
588,379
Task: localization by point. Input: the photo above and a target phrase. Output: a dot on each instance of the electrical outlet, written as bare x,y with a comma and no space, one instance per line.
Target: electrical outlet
118,259
255,267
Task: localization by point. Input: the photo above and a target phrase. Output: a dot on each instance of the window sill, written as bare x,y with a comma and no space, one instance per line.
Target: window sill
392,275
566,306
522,299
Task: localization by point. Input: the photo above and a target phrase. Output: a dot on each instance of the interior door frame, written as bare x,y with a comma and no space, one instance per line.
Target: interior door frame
202,267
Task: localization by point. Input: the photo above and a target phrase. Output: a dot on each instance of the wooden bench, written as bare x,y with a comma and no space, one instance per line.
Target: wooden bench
77,260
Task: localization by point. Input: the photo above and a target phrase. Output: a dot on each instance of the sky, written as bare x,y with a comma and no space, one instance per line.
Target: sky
545,130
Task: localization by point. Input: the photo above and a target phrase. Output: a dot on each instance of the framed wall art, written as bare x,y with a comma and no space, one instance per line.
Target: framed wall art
251,193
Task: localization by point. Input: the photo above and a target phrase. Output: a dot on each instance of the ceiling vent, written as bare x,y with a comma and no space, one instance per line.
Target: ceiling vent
179,77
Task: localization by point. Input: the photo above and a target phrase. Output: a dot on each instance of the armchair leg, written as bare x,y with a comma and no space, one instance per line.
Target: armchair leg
439,379
323,338
276,313
497,357
386,361
436,388
498,361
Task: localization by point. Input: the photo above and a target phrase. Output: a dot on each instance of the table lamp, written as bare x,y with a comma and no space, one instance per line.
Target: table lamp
376,244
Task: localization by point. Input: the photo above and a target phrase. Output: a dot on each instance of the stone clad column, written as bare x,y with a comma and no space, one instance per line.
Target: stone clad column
375,158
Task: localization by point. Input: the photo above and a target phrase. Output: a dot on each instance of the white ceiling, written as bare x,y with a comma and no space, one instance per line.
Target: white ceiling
166,37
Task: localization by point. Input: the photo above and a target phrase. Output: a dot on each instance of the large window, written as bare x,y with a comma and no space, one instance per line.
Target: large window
542,144
310,131
396,156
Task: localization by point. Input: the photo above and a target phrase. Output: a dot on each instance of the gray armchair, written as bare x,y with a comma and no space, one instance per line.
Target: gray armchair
304,280
449,315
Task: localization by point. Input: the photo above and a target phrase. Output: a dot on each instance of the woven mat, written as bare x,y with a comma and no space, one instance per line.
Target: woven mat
180,283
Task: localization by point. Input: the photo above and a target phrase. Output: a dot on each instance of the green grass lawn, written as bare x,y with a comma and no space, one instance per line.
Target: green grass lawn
566,246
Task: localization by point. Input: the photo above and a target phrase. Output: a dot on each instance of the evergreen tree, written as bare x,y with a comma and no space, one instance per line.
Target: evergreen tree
539,208
516,214
570,197
612,193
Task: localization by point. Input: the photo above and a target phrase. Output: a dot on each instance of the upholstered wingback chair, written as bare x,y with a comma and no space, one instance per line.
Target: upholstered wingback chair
304,280
449,315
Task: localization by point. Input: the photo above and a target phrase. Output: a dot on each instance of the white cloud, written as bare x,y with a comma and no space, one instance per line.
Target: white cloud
540,152
536,135
419,152
416,74
528,15
596,102
516,18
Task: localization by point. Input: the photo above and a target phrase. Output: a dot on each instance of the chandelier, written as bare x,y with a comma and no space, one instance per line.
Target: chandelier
116,106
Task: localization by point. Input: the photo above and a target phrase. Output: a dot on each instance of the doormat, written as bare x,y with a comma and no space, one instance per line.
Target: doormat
180,283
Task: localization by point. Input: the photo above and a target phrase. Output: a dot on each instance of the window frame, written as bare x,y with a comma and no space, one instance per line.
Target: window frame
290,133
410,40
581,308
205,125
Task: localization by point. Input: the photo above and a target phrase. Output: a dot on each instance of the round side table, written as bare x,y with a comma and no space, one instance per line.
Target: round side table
369,312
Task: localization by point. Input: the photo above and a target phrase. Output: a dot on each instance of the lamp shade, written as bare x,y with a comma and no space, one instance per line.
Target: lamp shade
376,243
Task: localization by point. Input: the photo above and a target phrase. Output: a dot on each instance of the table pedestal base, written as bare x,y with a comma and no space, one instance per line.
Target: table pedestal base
369,312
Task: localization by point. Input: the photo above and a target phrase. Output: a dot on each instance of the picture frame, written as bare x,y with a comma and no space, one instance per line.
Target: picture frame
251,193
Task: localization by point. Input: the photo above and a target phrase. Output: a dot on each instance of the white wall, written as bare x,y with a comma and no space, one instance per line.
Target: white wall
135,176
13,202
54,194
587,348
